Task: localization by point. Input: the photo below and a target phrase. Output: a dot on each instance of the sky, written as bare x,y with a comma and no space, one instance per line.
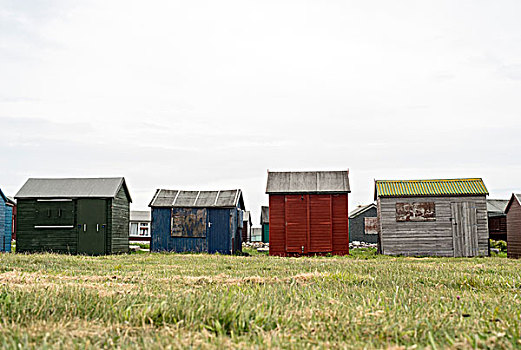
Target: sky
211,94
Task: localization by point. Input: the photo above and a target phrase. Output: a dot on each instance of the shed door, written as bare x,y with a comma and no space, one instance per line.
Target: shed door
321,225
296,224
219,236
92,214
464,229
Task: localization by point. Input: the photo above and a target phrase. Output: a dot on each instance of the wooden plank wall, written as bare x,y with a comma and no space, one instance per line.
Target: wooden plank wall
514,230
119,215
29,239
427,238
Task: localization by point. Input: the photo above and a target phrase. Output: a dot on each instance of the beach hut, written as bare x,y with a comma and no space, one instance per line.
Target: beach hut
7,205
513,211
197,221
308,213
246,227
256,234
140,226
76,216
497,219
445,217
363,224
265,224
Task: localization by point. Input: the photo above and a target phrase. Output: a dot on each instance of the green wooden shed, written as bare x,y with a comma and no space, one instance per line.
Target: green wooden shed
77,216
265,222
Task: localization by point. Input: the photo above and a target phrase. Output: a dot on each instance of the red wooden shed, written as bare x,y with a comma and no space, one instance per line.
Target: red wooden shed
308,212
513,212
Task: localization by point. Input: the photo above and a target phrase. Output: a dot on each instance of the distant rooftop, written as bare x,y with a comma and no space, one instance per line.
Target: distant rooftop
140,215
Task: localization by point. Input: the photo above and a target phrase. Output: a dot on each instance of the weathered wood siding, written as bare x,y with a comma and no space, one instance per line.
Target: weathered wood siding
6,219
497,227
514,230
428,237
357,227
119,218
30,239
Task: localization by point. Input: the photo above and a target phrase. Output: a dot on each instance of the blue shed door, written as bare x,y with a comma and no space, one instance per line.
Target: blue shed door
219,231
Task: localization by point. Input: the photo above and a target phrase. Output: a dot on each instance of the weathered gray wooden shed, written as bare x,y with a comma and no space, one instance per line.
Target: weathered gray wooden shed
76,216
432,217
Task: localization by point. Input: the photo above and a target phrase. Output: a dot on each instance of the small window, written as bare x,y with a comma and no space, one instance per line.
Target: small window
422,211
371,225
133,229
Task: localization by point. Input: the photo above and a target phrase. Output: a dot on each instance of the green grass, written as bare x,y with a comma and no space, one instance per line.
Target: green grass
256,301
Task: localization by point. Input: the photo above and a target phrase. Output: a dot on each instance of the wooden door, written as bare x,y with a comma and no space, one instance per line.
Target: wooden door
321,224
296,224
464,229
92,215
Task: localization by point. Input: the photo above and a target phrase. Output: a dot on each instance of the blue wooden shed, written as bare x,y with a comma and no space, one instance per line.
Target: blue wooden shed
197,221
6,222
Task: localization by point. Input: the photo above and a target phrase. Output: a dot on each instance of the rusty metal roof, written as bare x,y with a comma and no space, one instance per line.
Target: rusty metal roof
308,182
197,199
440,187
73,188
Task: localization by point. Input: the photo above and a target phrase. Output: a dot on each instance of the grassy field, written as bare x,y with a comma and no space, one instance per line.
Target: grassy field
203,301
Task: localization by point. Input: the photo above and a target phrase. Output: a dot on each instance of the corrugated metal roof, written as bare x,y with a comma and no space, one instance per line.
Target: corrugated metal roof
361,209
197,199
72,188
140,215
496,206
308,182
440,187
265,215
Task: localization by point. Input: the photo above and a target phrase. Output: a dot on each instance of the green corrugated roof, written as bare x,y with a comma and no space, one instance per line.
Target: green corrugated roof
452,187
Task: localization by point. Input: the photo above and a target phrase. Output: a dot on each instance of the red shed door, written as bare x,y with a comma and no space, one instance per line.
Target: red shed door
296,224
321,233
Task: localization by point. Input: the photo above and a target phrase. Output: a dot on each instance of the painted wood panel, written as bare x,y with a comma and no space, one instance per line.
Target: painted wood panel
514,230
340,224
277,237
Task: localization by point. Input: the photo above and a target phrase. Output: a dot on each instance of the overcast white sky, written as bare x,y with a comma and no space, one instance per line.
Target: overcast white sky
210,94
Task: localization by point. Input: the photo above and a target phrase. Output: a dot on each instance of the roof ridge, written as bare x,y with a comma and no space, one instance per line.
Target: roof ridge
435,180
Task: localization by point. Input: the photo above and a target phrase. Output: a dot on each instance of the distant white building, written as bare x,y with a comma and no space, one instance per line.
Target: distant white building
140,225
256,234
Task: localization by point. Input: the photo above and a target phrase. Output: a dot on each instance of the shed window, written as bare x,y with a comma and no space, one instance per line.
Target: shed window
188,222
421,211
371,226
133,229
